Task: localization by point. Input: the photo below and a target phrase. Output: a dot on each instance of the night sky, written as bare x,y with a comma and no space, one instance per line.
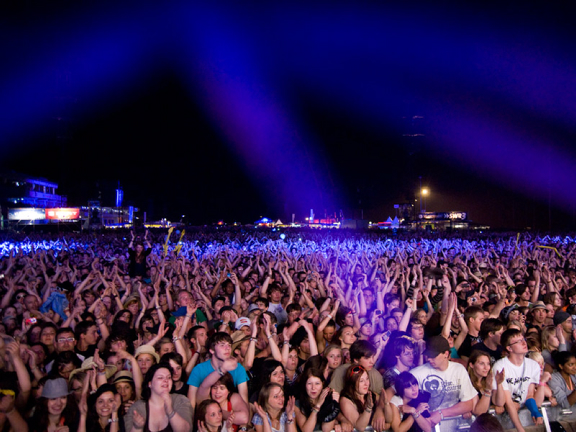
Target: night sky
232,112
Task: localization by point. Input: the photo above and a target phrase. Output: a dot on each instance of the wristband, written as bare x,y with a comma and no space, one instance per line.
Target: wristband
253,339
368,410
271,336
329,316
416,415
172,414
487,394
441,415
112,420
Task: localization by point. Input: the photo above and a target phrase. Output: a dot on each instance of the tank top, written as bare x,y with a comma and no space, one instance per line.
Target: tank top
229,409
146,429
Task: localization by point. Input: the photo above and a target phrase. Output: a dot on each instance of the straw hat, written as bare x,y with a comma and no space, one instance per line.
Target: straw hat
89,363
147,349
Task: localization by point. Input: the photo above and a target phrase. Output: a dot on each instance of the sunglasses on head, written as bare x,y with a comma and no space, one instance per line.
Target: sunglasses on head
356,369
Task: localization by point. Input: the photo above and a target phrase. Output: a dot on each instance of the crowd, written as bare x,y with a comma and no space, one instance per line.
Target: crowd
238,331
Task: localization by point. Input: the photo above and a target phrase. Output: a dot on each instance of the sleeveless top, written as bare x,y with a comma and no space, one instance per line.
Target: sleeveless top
146,429
229,409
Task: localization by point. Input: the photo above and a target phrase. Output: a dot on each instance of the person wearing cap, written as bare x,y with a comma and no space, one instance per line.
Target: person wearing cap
55,409
521,377
564,319
451,391
243,324
538,313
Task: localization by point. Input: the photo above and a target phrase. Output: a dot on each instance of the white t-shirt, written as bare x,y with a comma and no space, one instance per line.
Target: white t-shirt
517,378
446,388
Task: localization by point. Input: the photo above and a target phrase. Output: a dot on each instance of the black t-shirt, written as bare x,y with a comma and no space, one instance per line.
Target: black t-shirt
468,345
494,355
89,352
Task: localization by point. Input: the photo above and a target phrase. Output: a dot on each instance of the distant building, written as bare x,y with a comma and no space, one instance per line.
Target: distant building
19,190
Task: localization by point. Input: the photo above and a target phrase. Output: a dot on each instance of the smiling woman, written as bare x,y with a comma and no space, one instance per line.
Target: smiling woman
159,410
55,408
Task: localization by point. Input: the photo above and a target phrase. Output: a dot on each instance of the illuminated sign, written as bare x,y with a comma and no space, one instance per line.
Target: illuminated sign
455,215
26,214
63,213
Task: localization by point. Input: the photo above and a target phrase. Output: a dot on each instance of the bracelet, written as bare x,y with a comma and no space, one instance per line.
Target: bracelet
253,339
290,421
172,414
441,415
316,408
112,420
368,410
416,415
176,338
487,394
219,370
329,316
188,316
271,336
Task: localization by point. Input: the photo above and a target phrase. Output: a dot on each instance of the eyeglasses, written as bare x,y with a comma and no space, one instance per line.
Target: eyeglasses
63,340
518,341
19,296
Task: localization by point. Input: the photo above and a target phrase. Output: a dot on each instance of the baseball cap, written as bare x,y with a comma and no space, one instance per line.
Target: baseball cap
436,345
241,322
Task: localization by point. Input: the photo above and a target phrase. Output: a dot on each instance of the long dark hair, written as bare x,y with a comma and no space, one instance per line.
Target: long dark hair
39,421
305,401
263,377
92,419
146,392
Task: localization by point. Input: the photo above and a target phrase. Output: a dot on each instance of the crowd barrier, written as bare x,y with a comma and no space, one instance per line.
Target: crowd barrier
566,417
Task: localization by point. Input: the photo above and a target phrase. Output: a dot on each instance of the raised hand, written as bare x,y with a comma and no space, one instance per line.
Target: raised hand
500,376
229,365
138,421
290,407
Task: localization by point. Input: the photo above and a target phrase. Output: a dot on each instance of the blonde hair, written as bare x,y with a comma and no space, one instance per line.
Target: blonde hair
536,356
544,339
